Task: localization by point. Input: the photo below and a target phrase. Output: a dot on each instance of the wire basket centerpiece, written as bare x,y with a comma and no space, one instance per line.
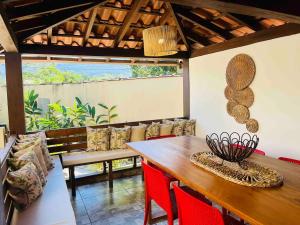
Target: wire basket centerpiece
232,147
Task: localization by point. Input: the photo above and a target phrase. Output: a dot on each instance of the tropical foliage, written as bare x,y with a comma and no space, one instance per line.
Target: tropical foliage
150,71
60,116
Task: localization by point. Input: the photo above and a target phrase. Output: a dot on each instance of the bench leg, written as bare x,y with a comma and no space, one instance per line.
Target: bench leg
72,180
110,174
134,162
104,168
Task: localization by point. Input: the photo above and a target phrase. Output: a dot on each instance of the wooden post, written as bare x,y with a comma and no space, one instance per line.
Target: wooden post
15,96
186,88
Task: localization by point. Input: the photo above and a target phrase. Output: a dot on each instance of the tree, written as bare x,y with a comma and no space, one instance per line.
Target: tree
49,74
147,71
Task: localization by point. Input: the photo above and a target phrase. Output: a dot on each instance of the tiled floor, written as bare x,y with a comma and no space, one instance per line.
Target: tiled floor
96,205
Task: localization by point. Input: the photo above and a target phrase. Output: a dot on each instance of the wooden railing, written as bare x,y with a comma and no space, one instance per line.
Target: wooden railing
71,139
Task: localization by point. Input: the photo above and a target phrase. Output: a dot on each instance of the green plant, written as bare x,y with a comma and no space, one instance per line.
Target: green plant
32,110
109,115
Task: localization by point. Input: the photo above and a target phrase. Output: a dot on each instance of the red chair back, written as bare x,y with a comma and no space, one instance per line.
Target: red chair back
157,187
161,137
192,211
290,160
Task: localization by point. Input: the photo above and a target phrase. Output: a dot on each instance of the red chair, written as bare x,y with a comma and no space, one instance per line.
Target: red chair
161,137
157,188
295,161
192,211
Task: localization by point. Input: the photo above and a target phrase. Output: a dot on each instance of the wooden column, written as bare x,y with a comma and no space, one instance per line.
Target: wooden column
15,96
186,88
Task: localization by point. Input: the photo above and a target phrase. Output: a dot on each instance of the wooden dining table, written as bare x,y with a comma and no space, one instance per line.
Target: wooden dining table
268,206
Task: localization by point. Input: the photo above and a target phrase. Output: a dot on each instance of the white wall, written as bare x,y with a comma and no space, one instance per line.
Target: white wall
136,99
276,88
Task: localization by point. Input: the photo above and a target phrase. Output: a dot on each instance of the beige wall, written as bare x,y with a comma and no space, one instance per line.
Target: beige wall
276,89
137,99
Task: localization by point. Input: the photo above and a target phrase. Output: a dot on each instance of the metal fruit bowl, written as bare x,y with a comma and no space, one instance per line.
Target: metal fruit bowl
232,147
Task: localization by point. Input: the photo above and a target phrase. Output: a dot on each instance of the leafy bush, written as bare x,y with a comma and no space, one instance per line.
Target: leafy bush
60,116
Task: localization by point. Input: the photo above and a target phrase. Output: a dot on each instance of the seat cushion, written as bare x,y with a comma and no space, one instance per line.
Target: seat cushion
52,207
79,158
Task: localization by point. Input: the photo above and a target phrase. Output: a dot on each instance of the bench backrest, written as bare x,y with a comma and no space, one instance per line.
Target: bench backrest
66,140
6,204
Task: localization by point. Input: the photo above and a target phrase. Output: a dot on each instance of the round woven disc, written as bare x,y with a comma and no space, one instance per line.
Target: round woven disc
240,113
230,106
252,125
244,97
240,72
229,93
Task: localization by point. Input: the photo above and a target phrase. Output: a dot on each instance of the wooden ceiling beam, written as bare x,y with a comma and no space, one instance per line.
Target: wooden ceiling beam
7,37
91,52
55,19
178,24
45,7
49,36
198,21
164,19
127,9
245,20
89,25
288,10
131,15
197,38
263,35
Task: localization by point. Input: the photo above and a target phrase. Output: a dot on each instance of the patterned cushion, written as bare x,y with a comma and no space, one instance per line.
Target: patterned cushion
24,185
153,130
138,133
178,126
97,139
30,156
46,155
36,147
119,137
189,128
166,129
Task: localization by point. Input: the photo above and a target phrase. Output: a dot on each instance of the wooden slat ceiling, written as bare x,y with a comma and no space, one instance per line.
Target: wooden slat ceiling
120,23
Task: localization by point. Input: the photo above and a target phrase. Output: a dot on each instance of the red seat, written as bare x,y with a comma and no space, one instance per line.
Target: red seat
290,160
157,188
161,137
192,211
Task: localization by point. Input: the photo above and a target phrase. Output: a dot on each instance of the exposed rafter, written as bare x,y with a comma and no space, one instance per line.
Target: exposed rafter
137,4
198,21
286,10
53,20
164,19
45,7
89,25
178,24
263,35
7,38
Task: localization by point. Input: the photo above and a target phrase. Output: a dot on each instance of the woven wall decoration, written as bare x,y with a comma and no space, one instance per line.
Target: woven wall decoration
240,73
241,113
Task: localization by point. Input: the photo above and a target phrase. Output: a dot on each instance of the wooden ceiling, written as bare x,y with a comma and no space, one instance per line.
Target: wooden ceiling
115,26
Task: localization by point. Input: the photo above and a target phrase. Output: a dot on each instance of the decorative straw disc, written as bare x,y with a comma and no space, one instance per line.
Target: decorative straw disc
252,125
240,72
229,93
254,176
230,106
244,97
240,113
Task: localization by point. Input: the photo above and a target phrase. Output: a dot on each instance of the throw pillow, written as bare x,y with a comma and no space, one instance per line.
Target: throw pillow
24,186
119,137
178,126
97,139
138,133
153,130
30,156
166,129
42,135
36,147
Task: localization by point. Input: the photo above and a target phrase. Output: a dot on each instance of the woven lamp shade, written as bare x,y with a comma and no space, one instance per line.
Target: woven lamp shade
160,41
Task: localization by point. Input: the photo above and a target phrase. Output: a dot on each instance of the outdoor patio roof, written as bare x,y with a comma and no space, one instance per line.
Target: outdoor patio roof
81,27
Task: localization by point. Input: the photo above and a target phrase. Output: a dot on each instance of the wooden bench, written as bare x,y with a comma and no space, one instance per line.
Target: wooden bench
71,145
52,207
